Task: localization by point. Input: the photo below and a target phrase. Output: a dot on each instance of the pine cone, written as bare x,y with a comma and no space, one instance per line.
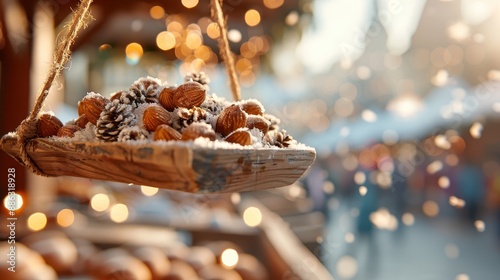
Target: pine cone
144,90
279,138
275,122
188,116
200,77
114,118
214,104
132,133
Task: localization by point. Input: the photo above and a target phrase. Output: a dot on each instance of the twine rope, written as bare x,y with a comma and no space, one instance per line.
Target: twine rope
224,50
28,128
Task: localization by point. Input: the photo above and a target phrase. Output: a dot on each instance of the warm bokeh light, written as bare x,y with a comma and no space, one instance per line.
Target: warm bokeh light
480,225
235,198
149,191
434,167
213,30
165,40
347,267
328,187
383,219
408,219
456,202
444,182
234,35
193,40
189,3
292,18
462,276
65,217
99,202
175,26
229,258
362,190
13,202
37,221
476,130
157,12
430,208
405,105
119,213
252,17
252,216
368,116
133,52
273,4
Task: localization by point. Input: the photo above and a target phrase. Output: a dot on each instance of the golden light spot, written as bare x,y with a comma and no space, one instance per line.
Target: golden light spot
213,30
252,216
452,159
134,52
234,35
149,191
480,225
229,258
189,3
444,182
157,12
99,202
13,202
235,198
430,208
456,202
252,17
408,219
346,267
119,213
369,116
175,26
273,4
476,130
434,167
292,18
343,107
37,221
328,187
362,190
65,217
165,40
193,40
462,276
442,142
383,219
203,52
243,64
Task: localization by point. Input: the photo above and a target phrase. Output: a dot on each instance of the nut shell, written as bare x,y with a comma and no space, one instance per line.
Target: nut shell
167,133
189,94
240,136
48,125
165,98
82,121
258,122
154,116
252,107
196,130
230,119
92,106
68,130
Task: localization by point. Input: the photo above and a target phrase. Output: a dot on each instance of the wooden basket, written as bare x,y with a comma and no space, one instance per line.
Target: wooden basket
178,166
183,166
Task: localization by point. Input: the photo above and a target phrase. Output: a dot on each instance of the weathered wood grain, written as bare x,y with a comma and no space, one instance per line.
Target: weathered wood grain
182,166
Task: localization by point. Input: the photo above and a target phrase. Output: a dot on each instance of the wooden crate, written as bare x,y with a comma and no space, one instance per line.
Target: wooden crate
182,166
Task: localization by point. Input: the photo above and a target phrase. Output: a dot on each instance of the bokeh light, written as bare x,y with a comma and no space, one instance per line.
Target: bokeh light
157,12
252,17
229,258
37,221
149,191
100,202
189,3
65,217
252,216
13,202
119,213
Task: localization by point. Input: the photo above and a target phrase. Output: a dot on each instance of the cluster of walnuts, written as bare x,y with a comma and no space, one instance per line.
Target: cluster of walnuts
151,110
